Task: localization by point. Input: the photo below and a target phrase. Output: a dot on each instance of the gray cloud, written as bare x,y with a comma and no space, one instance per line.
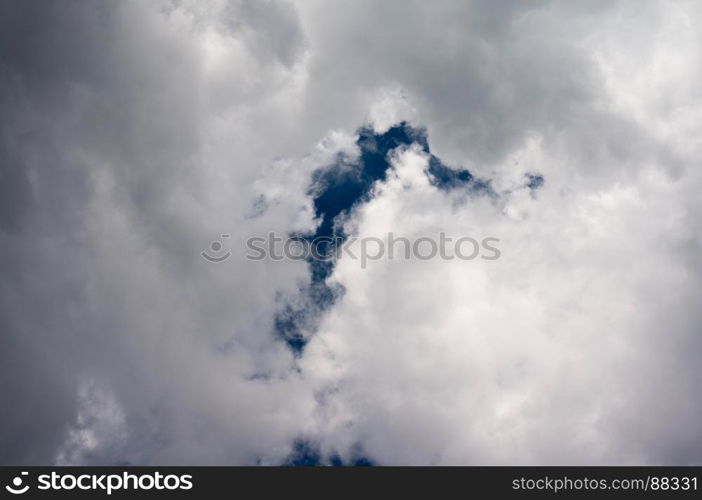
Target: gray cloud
133,134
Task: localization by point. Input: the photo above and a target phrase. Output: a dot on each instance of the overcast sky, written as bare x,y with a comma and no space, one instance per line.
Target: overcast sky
133,134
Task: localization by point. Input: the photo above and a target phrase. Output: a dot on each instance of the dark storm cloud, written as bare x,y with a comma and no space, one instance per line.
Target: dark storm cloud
16,195
101,133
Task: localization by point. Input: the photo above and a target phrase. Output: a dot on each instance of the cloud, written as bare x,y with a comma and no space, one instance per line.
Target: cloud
546,355
133,135
113,156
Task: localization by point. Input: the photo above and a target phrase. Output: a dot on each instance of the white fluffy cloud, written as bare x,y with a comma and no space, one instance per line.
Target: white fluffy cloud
570,348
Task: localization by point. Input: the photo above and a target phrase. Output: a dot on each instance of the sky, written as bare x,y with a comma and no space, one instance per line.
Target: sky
133,135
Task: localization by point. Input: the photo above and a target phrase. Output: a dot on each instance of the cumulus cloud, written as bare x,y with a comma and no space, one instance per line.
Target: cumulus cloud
548,355
134,134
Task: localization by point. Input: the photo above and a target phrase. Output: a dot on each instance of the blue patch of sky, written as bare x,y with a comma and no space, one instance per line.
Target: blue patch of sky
336,190
305,453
